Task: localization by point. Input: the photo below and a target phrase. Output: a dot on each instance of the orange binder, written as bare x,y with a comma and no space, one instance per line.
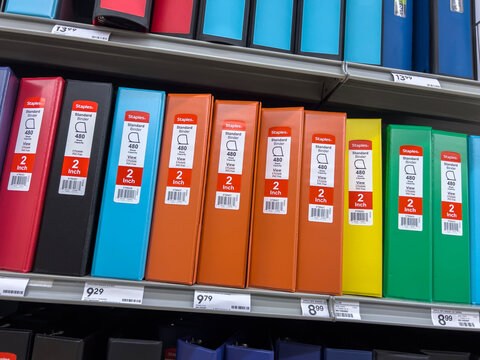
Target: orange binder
178,206
273,248
228,197
319,267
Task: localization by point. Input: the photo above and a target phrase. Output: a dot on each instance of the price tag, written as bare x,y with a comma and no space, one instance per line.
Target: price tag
13,286
348,310
81,33
455,319
117,294
315,308
207,300
416,80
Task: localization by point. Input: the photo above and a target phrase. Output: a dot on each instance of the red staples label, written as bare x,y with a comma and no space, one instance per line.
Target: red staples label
451,184
7,356
171,354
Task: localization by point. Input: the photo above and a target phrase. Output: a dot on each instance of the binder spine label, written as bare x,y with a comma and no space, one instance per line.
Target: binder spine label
230,165
277,170
132,157
360,183
451,184
410,191
73,180
322,179
182,153
7,356
456,6
26,146
400,8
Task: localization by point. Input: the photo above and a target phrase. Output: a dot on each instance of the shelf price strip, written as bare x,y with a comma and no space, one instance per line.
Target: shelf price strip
116,294
315,308
347,310
455,319
207,300
13,287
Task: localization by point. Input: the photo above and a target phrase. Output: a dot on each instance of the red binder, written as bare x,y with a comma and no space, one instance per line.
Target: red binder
175,17
26,168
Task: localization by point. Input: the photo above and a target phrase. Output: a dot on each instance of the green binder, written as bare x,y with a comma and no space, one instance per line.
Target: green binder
408,213
451,246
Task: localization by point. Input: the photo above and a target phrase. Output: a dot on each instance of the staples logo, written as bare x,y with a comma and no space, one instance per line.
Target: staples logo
137,116
83,107
31,103
275,132
451,156
233,126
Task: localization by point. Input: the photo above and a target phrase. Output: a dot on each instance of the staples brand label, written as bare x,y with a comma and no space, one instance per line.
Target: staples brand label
451,183
7,356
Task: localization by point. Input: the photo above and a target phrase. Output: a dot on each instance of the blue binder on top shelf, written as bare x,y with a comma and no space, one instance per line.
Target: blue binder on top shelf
474,184
188,350
128,194
289,350
397,42
51,9
339,354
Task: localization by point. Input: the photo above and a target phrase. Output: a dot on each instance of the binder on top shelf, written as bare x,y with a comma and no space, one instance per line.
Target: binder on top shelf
474,200
451,241
50,9
319,268
340,354
74,190
178,209
408,213
394,355
362,232
447,355
15,344
125,14
127,349
228,195
289,350
187,349
175,17
274,235
320,28
476,37
128,193
8,97
26,168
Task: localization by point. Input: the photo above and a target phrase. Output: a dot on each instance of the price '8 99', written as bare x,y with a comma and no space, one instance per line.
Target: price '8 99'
442,319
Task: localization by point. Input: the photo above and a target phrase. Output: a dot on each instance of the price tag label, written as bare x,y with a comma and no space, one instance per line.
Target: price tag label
207,300
455,319
117,294
416,80
315,308
347,310
81,33
13,286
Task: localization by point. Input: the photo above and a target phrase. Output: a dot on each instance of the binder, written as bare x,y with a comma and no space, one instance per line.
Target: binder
50,9
175,17
289,350
362,232
15,344
188,350
321,28
273,25
125,14
178,209
474,200
408,213
69,345
476,37
8,96
339,354
224,21
127,349
451,243
128,193
274,236
27,163
394,355
447,355
319,268
228,195
74,189
241,352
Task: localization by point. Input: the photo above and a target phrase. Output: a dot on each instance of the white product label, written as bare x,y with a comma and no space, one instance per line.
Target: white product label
14,287
349,310
400,8
455,319
207,300
322,179
416,80
73,180
277,170
116,294
81,33
182,153
26,146
360,183
456,6
132,157
315,308
451,183
410,188
230,165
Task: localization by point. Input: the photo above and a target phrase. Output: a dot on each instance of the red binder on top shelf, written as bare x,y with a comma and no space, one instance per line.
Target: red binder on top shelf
175,17
25,172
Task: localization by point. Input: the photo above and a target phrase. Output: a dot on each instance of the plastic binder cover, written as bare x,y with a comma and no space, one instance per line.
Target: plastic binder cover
273,247
187,349
393,355
228,198
178,209
128,349
474,192
249,345
27,164
15,344
451,242
51,9
320,255
289,350
8,96
408,213
126,14
74,191
339,354
128,194
175,17
362,233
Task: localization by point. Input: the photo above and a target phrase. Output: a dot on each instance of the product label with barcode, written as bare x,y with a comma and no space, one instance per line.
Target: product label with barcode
410,188
230,165
132,157
322,179
360,183
400,8
15,287
451,183
456,6
347,310
455,319
277,170
73,180
7,356
26,145
207,300
182,153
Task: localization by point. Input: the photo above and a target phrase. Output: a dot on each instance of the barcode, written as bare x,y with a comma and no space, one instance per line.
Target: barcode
236,307
466,324
274,206
19,180
127,194
136,301
13,292
359,217
226,201
346,315
176,196
72,185
229,201
451,227
320,213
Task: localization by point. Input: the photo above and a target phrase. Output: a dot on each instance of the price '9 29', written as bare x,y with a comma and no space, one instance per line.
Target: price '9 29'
204,298
94,291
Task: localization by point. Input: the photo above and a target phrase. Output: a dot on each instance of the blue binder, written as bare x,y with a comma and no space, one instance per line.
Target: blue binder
288,350
338,354
235,352
474,178
320,28
8,96
188,351
273,24
128,194
40,8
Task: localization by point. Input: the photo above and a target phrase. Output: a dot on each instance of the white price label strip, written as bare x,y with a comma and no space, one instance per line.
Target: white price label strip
455,319
348,310
116,294
416,80
315,308
81,33
13,286
207,300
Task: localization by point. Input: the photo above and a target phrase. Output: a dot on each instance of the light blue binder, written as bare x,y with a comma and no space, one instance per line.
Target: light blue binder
474,178
124,228
224,20
40,8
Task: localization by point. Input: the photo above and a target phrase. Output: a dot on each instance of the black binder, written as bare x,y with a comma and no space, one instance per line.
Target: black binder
15,344
126,349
